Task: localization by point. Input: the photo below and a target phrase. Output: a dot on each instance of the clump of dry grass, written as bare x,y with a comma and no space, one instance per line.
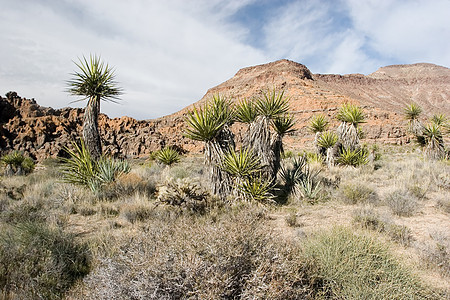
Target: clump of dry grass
354,193
368,218
402,202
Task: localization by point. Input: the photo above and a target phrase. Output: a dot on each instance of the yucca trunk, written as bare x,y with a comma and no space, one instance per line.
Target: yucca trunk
319,150
330,156
348,136
278,150
260,143
435,149
91,134
415,127
220,181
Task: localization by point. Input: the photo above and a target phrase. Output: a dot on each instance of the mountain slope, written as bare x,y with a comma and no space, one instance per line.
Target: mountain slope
24,125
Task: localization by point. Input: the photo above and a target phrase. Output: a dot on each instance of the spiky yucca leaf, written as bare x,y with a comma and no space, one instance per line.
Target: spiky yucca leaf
318,123
95,79
246,111
80,168
327,139
167,156
412,111
283,124
243,163
111,169
205,124
351,114
272,104
257,189
353,158
292,173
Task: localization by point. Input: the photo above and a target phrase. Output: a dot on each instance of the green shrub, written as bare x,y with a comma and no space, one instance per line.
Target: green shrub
167,156
345,265
37,262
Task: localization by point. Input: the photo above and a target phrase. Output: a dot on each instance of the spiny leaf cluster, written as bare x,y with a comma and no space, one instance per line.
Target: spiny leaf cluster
318,123
350,113
205,124
94,80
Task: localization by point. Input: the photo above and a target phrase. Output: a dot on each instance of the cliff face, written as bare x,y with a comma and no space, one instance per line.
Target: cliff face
26,126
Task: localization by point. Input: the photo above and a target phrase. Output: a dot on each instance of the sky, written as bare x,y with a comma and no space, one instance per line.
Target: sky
168,53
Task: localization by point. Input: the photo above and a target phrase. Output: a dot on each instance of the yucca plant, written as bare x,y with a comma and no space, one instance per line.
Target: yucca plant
309,186
318,123
328,141
282,126
350,116
16,163
167,156
246,111
439,120
434,141
257,189
292,173
240,165
95,81
82,169
353,158
209,124
412,113
270,106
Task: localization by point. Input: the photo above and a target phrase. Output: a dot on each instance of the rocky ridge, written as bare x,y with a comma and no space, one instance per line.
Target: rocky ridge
43,132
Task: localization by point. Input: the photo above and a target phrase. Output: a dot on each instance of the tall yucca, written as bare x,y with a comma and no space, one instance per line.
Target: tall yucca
282,126
95,81
209,124
328,141
434,141
350,116
412,113
270,106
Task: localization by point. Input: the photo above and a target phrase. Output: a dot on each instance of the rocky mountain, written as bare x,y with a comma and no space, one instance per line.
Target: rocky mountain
43,132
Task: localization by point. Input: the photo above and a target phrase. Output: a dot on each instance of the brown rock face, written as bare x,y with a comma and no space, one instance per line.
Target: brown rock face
42,132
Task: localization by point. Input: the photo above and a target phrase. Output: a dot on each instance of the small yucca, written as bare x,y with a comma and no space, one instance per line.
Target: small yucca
412,111
318,123
168,156
353,158
283,124
243,163
352,114
257,189
327,139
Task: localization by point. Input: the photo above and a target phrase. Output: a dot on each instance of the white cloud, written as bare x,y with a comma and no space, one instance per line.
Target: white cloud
405,31
168,53
165,54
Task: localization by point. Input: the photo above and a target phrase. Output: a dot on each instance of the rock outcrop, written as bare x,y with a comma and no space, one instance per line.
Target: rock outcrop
43,132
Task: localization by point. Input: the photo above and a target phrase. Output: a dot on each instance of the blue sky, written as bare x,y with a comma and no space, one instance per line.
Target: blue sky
168,53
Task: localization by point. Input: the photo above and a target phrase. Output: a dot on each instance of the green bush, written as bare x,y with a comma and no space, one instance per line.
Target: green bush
37,262
345,265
